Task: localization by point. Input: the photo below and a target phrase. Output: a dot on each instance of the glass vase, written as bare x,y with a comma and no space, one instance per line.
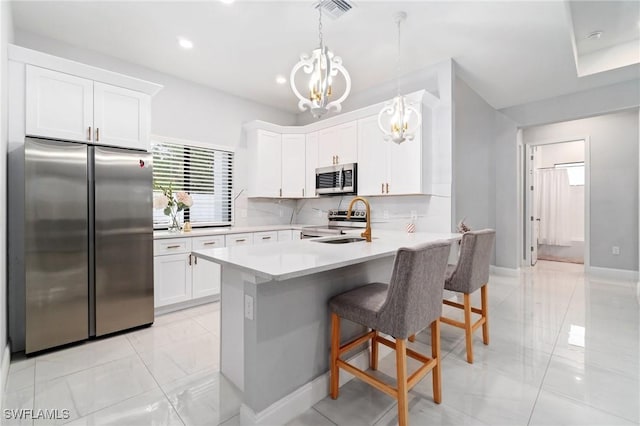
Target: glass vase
174,222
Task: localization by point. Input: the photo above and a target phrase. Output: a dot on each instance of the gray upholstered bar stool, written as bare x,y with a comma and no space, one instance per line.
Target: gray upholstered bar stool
411,302
468,275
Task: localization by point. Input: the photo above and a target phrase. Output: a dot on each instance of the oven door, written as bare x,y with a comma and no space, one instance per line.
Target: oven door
334,180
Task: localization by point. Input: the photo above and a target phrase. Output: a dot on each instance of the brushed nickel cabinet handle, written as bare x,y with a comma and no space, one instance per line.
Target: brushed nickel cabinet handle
195,260
281,192
382,188
303,192
337,159
241,240
189,260
266,238
89,135
387,187
175,246
209,243
98,134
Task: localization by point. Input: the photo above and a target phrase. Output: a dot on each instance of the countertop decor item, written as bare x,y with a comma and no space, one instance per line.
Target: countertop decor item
172,203
322,67
399,119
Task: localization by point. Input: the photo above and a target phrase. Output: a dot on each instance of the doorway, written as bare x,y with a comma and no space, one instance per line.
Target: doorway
556,201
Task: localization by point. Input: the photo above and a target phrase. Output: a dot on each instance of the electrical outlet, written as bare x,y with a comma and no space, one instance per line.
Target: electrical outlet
615,250
414,215
385,214
248,307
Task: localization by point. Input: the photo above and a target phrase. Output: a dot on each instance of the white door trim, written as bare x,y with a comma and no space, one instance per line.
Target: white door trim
587,195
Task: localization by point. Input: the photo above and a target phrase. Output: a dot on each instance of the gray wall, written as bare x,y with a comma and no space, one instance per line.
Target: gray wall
614,182
587,103
484,170
6,36
187,110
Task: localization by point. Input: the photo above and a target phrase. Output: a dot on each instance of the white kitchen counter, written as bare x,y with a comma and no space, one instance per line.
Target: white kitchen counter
290,259
223,230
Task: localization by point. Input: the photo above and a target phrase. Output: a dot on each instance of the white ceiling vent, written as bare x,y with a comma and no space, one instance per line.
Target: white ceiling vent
334,8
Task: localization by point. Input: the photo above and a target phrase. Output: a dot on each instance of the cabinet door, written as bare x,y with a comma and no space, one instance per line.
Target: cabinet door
265,169
121,117
293,165
206,278
58,105
405,167
347,145
311,163
172,279
372,158
328,140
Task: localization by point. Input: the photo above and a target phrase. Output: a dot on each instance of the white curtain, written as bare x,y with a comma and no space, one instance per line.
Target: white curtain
553,207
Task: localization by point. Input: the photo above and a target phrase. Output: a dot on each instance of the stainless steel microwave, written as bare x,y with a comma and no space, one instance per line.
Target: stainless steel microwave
340,179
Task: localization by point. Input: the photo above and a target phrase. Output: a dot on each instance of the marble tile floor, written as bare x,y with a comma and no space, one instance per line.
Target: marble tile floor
565,349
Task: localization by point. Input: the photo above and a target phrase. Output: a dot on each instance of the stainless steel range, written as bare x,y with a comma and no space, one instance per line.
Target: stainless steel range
338,224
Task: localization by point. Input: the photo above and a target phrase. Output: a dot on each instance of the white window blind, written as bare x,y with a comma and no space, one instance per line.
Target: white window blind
206,174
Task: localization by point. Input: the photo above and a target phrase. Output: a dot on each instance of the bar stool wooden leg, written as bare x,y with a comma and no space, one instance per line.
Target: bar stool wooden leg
374,352
435,354
335,348
485,314
401,366
467,327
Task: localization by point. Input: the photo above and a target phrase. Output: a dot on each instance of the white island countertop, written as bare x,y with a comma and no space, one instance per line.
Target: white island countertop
291,259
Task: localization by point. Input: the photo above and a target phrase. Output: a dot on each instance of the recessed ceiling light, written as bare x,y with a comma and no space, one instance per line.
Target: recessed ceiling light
227,1
185,43
280,79
594,35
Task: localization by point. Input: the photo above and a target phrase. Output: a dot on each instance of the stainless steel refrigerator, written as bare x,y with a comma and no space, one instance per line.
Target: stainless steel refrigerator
88,243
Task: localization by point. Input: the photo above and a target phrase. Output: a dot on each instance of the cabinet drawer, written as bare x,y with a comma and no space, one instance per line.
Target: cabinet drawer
286,235
265,237
171,246
214,241
239,239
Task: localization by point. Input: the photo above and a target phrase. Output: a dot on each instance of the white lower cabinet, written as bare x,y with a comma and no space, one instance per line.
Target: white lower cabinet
179,276
172,279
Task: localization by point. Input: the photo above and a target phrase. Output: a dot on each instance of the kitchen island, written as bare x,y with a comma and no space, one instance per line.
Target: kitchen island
275,320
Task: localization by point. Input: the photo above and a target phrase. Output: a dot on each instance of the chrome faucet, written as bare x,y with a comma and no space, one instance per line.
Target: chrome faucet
367,232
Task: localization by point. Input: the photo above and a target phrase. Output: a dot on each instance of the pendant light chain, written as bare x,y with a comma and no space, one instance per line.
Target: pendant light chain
320,26
398,61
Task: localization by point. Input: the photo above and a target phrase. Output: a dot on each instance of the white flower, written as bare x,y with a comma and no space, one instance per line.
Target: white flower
160,201
184,198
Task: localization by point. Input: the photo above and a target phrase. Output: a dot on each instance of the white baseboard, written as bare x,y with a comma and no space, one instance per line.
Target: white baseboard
4,370
504,272
615,274
306,396
184,305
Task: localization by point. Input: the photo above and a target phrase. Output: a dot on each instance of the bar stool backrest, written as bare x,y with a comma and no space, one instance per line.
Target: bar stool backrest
414,299
472,270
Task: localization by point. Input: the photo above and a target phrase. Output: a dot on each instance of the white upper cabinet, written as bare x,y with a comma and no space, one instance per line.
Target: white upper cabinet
63,106
58,105
338,144
121,116
265,167
293,165
311,163
386,168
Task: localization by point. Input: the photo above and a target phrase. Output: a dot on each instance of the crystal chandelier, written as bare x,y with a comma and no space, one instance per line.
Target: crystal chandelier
322,67
396,119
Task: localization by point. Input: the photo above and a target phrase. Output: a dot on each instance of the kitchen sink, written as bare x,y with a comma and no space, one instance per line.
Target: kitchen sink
344,240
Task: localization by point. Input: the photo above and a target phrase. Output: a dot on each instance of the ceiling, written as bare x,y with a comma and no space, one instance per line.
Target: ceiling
509,52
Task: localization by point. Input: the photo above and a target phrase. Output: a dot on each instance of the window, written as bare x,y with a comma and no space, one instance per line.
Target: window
575,172
205,173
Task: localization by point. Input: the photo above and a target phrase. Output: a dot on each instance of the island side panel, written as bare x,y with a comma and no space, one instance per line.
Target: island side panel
288,343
